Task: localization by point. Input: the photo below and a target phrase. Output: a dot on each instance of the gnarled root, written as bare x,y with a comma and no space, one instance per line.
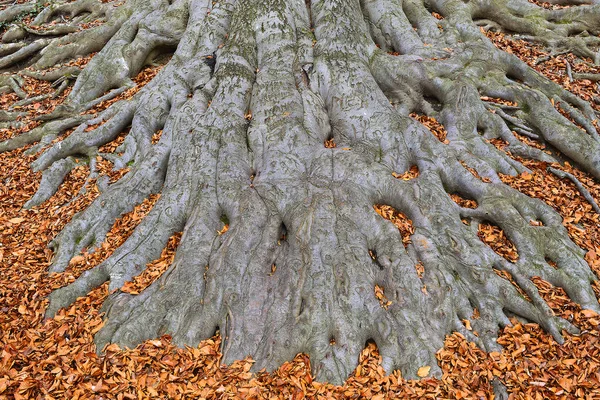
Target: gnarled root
243,132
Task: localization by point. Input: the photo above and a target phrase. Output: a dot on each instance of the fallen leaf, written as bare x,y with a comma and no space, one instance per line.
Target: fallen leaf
589,313
423,371
76,260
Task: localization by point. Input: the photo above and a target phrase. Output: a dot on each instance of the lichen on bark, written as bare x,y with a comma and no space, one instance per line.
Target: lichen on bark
250,96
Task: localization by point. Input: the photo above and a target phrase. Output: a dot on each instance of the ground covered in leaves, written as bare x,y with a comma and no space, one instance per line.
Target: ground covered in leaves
56,358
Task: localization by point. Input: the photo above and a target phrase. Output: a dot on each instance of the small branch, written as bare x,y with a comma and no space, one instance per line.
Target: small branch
569,72
584,192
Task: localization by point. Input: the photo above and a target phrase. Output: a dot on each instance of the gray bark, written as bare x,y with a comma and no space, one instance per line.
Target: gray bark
307,72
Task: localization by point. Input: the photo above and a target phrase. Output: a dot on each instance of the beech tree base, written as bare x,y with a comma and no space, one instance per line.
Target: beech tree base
251,94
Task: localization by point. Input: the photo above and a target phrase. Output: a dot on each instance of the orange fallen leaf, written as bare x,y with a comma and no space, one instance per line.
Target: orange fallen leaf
467,324
589,313
76,260
423,371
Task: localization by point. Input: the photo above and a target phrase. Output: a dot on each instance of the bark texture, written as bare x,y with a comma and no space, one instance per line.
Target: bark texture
251,94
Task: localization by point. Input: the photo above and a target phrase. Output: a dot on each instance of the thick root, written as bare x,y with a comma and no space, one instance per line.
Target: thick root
307,264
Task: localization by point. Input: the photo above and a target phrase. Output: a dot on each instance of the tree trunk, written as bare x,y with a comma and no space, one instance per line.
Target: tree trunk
289,121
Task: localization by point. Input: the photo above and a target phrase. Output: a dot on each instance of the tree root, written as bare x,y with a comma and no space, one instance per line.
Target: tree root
253,91
584,192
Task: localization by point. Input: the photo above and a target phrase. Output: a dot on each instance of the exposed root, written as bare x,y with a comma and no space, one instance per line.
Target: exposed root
410,104
66,39
584,192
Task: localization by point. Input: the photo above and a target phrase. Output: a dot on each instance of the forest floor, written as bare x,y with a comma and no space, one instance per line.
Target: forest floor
56,358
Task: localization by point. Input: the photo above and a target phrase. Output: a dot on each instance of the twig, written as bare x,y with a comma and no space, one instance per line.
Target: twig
569,72
585,193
